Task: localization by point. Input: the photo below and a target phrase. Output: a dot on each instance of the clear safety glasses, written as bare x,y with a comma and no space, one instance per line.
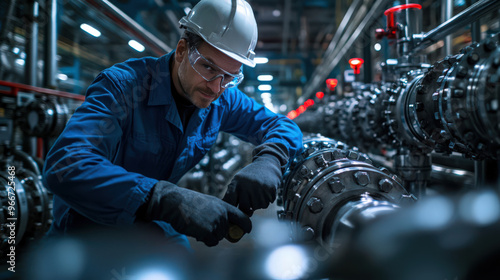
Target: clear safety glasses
209,71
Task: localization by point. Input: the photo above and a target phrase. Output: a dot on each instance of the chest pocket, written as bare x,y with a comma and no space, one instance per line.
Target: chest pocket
204,143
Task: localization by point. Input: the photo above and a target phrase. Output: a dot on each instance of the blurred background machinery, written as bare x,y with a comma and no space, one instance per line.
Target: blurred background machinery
31,118
398,102
33,203
434,125
228,155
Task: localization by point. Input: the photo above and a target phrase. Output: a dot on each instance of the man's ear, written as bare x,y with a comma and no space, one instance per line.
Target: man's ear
181,50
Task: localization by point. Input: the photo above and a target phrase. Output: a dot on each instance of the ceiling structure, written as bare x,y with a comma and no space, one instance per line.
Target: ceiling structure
294,36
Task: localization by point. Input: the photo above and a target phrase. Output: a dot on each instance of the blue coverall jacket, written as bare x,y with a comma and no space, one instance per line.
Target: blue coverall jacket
127,135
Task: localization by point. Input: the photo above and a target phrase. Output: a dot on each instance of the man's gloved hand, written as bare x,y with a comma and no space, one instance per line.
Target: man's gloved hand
201,216
254,187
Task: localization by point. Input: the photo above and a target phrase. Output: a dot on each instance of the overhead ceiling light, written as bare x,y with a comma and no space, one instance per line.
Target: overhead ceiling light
265,87
62,77
136,45
91,30
391,61
276,13
261,60
265,78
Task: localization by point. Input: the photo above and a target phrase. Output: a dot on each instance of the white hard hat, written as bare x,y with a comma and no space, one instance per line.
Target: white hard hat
227,25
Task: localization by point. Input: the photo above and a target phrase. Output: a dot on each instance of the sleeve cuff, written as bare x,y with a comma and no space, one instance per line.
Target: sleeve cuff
137,198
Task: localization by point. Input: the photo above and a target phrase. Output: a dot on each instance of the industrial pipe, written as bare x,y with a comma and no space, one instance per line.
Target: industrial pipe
50,50
330,184
467,16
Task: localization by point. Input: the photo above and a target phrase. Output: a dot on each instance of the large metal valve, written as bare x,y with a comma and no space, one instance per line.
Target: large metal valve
329,187
452,106
24,202
467,101
43,117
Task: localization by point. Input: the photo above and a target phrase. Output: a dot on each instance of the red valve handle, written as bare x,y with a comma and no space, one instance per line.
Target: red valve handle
391,21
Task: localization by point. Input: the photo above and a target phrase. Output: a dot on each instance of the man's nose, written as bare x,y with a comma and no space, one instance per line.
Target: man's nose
215,85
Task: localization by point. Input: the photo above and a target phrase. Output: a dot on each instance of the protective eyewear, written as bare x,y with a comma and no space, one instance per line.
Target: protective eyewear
209,71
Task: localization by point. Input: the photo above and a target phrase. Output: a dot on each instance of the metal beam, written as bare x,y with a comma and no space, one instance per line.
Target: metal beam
467,16
31,64
475,29
348,22
117,16
446,14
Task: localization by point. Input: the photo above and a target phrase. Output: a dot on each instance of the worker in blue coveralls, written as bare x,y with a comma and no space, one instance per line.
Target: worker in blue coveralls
146,122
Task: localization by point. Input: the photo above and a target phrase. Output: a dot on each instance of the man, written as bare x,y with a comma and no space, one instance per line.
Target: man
146,122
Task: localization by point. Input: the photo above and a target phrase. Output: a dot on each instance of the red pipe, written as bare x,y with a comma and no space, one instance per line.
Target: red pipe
39,148
15,87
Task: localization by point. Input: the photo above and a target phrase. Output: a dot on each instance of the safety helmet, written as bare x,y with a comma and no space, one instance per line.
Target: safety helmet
227,25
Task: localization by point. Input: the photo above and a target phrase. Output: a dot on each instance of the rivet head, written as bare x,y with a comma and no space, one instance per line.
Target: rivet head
337,154
336,185
458,92
352,155
462,71
419,106
281,214
320,161
420,89
496,62
385,185
304,171
385,170
307,233
473,58
308,152
315,205
362,178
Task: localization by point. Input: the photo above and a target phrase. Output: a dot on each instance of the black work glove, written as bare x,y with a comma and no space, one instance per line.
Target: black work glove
254,186
201,216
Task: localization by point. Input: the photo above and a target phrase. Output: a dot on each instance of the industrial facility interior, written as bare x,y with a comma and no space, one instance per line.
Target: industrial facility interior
398,102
